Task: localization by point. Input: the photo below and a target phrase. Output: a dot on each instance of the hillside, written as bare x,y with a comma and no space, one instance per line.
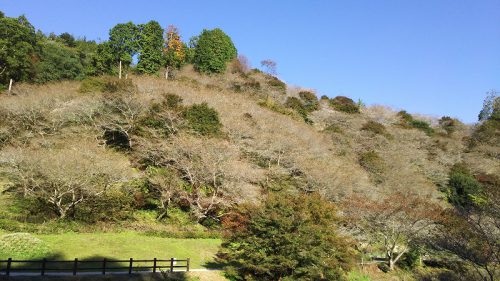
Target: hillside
258,147
161,173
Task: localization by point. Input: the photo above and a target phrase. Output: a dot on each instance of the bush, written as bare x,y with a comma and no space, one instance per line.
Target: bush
405,116
289,237
408,122
449,124
22,246
115,205
274,106
310,100
333,128
463,189
422,125
373,164
374,127
344,104
106,84
297,105
487,132
203,119
411,259
172,101
213,50
276,83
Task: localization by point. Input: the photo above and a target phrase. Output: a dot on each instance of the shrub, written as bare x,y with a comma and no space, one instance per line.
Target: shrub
203,119
374,127
106,84
487,132
411,259
372,163
323,97
213,50
92,84
114,205
272,105
297,105
405,116
449,124
289,237
333,128
172,101
463,189
422,125
23,246
344,104
276,83
408,122
310,100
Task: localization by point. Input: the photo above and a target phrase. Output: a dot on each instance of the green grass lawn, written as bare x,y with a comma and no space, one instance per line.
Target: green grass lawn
127,245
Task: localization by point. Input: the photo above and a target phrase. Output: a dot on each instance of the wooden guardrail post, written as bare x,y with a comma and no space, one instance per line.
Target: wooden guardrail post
75,266
44,263
9,264
154,265
130,266
171,264
104,266
187,264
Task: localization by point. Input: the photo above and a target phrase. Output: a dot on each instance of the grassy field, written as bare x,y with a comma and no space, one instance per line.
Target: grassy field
126,245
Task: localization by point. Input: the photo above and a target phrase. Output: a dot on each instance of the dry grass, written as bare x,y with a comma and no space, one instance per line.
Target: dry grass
327,160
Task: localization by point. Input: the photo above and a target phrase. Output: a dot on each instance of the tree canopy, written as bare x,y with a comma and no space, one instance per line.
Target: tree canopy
214,49
288,238
17,49
150,42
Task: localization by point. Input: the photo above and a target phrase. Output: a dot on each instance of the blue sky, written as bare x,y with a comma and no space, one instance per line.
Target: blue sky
436,57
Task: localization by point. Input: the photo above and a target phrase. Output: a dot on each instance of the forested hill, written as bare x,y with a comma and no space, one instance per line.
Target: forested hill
191,132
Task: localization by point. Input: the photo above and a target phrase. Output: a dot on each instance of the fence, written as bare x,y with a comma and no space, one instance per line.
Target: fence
44,266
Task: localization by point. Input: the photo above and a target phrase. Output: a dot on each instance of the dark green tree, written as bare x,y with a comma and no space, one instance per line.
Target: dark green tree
214,49
151,47
68,39
203,119
58,62
464,191
287,238
123,41
17,49
103,60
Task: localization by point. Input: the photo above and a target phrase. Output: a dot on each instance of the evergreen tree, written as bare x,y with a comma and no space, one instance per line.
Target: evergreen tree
103,60
288,238
17,49
214,49
151,47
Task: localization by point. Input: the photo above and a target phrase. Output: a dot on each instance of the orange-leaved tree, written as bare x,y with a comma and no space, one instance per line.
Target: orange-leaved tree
175,49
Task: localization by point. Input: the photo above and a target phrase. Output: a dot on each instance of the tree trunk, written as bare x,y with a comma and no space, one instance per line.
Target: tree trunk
120,71
167,72
10,85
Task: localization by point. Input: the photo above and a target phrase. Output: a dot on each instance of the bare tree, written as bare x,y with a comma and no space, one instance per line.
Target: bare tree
64,178
269,66
394,221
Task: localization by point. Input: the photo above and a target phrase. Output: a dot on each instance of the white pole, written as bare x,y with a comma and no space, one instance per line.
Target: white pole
120,73
10,85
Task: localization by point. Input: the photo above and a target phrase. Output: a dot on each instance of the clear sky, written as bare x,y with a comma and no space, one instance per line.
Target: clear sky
436,57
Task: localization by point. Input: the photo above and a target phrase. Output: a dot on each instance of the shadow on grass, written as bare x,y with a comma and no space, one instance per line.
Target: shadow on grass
214,265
